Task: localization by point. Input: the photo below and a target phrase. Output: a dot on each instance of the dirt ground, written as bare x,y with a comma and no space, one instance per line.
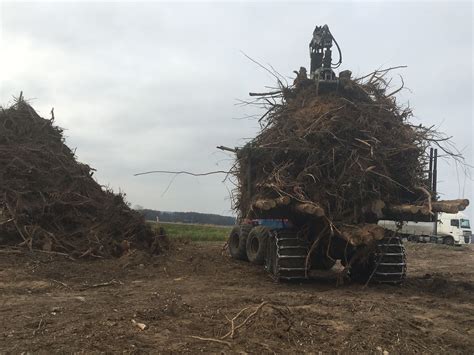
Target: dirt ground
52,304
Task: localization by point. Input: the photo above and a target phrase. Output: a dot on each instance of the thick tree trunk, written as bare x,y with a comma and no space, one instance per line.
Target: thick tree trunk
310,208
268,204
361,234
447,206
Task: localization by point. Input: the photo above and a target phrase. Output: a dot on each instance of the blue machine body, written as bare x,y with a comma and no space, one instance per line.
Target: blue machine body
273,223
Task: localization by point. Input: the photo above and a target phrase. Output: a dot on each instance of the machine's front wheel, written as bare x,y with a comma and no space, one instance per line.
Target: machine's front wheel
271,256
237,241
256,244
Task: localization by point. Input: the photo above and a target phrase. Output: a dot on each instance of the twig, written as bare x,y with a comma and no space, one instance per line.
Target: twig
232,331
60,283
389,178
263,67
234,328
7,221
21,251
221,147
40,323
428,197
380,71
400,88
312,248
265,93
10,251
104,284
182,172
213,340
52,253
10,210
225,248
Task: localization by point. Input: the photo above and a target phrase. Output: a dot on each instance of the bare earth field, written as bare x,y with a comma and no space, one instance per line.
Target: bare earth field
52,304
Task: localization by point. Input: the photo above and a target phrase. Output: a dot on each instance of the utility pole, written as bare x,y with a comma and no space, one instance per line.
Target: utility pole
434,185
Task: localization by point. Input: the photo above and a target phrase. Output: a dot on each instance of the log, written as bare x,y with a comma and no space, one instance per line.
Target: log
265,204
408,209
447,206
361,234
425,210
400,209
283,201
450,206
310,208
268,204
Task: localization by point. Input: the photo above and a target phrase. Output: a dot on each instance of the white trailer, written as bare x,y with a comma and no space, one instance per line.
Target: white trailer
450,229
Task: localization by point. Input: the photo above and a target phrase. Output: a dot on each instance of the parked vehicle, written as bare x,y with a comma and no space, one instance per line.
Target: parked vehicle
450,229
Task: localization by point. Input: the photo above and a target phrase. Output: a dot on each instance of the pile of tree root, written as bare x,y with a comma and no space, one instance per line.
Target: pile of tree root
348,155
49,201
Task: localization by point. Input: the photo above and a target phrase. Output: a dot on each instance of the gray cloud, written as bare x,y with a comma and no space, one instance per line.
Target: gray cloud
142,86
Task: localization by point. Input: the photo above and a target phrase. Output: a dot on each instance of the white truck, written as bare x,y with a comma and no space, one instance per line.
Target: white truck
450,229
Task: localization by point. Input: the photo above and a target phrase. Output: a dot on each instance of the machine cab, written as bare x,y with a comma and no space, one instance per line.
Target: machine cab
464,225
457,225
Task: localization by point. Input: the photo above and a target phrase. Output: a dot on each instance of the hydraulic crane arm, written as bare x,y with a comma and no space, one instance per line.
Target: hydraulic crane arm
321,54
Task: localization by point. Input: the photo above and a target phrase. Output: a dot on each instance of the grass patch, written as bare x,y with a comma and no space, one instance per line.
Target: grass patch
195,232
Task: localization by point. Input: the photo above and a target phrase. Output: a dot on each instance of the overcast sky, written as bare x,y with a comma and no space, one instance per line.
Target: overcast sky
153,85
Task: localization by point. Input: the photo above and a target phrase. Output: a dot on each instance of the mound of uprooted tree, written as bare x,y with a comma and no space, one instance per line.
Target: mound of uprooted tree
50,201
347,153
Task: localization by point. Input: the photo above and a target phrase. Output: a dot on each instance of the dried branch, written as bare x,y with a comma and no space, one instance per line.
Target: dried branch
182,172
212,340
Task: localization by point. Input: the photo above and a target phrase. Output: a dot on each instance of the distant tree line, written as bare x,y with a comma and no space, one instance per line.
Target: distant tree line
187,217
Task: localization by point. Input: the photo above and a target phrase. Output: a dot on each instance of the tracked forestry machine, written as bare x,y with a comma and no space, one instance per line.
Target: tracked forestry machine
335,155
